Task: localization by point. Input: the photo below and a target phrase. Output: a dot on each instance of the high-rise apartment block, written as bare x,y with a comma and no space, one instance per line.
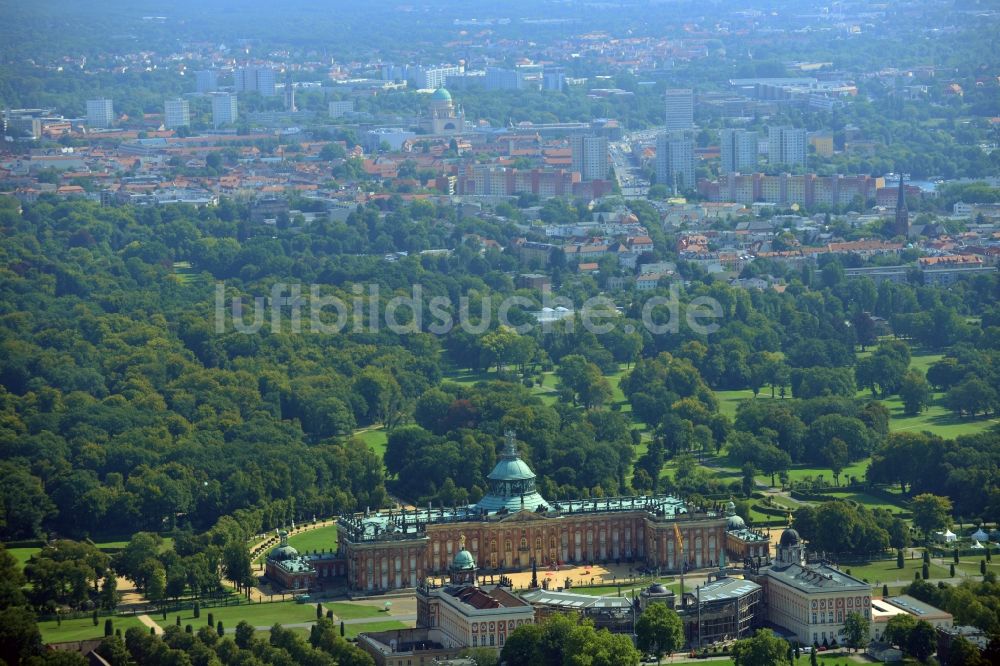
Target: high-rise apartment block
498,78
786,145
431,77
100,113
680,109
590,157
255,79
176,113
675,160
340,108
206,80
554,79
738,149
223,109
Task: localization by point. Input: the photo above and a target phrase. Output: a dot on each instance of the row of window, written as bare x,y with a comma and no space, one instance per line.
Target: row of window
829,616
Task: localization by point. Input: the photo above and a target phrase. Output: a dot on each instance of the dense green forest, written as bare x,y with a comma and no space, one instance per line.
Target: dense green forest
124,409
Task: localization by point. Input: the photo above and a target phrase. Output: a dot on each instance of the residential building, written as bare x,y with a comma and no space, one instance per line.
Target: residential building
206,81
942,271
255,79
787,189
554,79
22,124
786,145
822,143
340,108
675,160
503,79
491,180
679,109
431,77
289,95
738,149
223,109
590,157
394,137
176,113
100,113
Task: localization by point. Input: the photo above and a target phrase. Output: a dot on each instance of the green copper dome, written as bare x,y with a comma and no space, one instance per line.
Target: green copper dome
463,560
282,553
511,484
441,95
511,470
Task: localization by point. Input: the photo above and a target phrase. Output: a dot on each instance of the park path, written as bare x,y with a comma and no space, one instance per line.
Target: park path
148,621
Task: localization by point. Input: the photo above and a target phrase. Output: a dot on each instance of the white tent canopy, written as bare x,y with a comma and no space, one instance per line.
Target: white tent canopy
947,536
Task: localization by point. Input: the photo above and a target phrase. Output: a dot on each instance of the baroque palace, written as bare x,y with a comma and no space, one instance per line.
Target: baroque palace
513,527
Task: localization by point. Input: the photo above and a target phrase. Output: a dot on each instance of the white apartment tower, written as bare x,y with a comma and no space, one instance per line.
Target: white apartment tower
223,109
176,113
786,145
590,157
433,77
675,160
100,113
739,150
680,109
255,79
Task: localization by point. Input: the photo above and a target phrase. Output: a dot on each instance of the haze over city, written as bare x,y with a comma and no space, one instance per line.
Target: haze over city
524,333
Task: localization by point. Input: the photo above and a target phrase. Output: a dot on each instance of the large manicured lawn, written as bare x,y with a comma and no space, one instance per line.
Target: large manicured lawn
730,400
970,565
22,555
375,439
868,500
82,628
884,571
935,419
799,472
266,614
314,540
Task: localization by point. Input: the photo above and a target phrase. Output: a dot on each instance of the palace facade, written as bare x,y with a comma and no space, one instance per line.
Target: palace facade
809,599
513,526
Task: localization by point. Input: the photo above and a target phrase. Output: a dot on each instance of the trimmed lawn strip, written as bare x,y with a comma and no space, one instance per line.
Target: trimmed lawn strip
258,615
352,630
83,628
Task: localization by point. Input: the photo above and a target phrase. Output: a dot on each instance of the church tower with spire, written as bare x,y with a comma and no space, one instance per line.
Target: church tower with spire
902,224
